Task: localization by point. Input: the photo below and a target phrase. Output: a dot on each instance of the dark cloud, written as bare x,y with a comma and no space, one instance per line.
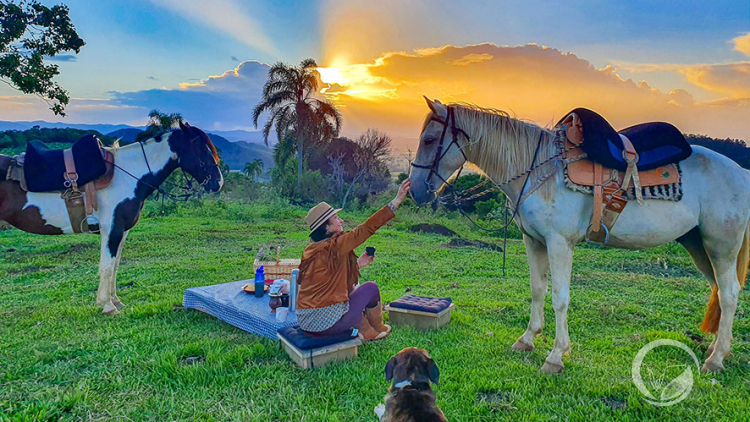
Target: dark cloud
235,59
223,101
153,78
62,58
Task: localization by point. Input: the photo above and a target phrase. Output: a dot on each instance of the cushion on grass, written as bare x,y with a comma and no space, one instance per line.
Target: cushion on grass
422,303
302,340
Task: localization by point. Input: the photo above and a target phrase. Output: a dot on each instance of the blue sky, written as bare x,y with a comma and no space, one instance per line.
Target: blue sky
140,54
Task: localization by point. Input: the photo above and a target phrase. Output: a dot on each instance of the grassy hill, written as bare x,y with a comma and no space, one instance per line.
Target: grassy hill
60,359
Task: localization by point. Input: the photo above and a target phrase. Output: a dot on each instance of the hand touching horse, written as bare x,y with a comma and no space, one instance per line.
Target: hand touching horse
140,169
710,221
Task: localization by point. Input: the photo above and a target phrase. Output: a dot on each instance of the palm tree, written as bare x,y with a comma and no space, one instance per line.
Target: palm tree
289,96
254,169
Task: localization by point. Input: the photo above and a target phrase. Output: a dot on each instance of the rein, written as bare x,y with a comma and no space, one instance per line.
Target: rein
182,197
459,198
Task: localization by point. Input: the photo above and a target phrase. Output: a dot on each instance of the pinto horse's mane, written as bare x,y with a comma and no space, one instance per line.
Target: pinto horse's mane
116,145
500,145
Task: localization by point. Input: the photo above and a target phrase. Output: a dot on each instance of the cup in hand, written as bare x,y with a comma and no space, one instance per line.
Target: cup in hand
281,314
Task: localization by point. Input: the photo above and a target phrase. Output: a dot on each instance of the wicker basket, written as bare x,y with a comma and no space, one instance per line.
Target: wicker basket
281,268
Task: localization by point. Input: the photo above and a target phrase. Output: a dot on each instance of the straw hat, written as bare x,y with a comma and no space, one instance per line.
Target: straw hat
319,214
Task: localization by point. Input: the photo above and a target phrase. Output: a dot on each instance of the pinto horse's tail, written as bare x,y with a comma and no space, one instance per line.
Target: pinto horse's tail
710,323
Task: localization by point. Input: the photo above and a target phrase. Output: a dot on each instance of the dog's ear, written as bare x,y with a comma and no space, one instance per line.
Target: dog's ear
434,371
389,367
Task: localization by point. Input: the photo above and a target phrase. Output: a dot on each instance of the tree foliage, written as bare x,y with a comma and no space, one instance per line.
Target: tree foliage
360,164
735,149
289,95
16,140
253,169
31,32
159,123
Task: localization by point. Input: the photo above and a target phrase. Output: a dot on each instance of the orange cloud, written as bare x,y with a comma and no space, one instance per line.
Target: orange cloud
471,58
729,79
742,44
532,82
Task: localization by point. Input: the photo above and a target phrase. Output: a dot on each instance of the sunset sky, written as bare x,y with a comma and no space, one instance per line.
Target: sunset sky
684,62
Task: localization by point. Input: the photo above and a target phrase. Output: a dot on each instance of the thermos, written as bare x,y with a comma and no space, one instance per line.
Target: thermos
293,291
260,281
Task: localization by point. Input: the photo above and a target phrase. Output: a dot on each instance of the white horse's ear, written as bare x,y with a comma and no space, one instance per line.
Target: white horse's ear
436,106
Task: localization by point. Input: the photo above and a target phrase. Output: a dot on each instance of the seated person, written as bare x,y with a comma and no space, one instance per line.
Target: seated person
330,300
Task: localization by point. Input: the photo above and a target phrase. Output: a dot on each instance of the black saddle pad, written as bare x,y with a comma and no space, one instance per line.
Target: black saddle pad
44,168
657,143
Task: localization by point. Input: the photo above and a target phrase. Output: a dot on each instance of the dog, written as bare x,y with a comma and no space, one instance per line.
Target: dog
410,398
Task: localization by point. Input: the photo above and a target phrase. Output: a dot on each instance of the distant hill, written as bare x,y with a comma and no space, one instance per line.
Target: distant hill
255,137
246,136
104,128
235,154
126,135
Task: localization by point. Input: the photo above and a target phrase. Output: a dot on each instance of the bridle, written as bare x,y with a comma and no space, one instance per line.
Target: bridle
450,121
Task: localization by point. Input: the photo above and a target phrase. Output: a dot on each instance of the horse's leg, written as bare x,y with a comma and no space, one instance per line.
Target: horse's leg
106,273
116,300
538,270
729,292
560,254
729,258
693,243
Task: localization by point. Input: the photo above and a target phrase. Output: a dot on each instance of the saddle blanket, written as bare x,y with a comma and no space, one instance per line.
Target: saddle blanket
44,168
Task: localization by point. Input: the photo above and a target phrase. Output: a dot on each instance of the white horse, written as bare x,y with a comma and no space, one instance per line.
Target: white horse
140,169
711,220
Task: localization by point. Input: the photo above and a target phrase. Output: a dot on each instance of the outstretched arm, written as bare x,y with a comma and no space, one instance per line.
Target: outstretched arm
350,240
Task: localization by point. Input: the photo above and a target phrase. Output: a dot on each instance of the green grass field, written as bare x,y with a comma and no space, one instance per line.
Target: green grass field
61,359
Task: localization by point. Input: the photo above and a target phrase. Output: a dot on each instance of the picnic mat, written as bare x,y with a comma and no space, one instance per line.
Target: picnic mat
229,303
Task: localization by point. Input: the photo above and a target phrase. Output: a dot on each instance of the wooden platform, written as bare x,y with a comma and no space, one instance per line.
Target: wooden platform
320,356
419,319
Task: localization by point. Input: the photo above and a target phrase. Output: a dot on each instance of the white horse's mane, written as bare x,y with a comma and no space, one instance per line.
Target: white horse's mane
502,146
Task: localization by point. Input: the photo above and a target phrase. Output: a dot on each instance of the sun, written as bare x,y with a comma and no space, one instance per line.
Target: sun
332,75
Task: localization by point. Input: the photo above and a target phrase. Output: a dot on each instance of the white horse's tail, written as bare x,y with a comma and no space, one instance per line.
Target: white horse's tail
710,323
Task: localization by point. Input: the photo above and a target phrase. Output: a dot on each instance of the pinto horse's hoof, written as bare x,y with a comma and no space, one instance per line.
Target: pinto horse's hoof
520,346
712,367
552,368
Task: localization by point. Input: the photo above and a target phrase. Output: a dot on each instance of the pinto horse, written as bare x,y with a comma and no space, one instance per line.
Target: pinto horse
139,170
710,221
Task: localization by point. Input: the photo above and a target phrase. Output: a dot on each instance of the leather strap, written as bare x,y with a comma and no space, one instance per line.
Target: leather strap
598,191
92,204
76,210
631,173
70,169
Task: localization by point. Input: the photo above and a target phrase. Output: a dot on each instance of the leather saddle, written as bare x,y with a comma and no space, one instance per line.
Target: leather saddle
84,168
611,163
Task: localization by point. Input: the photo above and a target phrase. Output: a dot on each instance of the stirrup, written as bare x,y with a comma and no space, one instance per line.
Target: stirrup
593,242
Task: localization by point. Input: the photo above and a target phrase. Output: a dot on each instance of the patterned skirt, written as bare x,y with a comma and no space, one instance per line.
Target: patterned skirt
321,319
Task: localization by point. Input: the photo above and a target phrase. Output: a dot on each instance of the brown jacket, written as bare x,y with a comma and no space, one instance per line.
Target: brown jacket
329,269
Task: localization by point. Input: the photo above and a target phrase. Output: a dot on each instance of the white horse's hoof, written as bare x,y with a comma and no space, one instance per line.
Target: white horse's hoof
711,347
110,310
118,304
712,367
520,346
552,368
